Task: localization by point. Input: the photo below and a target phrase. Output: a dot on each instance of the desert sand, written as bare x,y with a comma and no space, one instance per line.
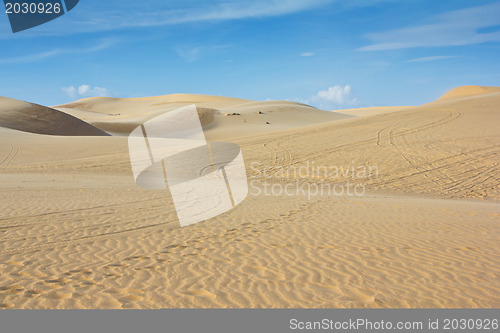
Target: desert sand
77,232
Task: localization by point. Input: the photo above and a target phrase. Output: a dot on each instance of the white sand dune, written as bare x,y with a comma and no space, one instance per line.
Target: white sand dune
76,232
224,117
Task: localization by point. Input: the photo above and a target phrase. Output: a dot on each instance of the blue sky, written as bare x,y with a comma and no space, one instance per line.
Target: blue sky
329,53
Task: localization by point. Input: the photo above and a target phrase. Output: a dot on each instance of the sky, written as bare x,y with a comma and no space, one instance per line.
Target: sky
332,54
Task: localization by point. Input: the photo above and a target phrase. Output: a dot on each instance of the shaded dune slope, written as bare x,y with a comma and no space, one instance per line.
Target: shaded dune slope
34,118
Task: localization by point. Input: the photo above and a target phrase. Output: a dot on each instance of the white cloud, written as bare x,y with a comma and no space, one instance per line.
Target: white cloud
84,90
69,91
333,97
454,28
432,58
307,54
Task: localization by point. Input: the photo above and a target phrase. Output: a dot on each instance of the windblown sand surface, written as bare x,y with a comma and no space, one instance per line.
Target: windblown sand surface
76,232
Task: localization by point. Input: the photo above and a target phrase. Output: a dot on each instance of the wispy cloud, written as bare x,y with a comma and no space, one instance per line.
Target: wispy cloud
84,90
231,10
101,45
31,58
455,28
307,54
432,58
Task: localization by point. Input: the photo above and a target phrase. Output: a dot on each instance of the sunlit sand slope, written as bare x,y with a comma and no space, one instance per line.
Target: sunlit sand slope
449,148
